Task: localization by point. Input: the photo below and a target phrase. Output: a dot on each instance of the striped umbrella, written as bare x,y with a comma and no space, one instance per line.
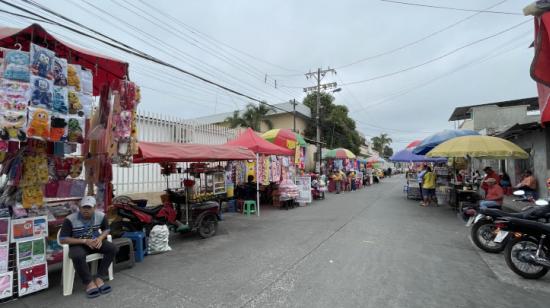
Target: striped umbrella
339,153
413,144
284,137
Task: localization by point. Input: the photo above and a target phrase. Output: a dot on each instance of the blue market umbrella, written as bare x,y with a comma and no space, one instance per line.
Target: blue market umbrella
434,140
407,155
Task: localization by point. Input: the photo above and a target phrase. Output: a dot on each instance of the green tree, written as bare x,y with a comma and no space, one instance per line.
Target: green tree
380,142
253,116
387,152
337,128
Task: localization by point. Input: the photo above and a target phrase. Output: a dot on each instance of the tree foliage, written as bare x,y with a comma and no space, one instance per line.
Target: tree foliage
387,151
253,116
338,130
381,144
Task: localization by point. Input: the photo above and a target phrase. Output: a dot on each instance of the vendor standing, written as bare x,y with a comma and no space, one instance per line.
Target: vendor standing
81,231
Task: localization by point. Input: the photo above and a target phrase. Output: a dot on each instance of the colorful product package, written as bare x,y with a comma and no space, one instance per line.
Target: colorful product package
87,81
42,61
60,72
42,92
60,100
73,76
75,132
87,102
33,279
58,128
75,105
14,95
38,125
16,65
6,284
4,258
13,125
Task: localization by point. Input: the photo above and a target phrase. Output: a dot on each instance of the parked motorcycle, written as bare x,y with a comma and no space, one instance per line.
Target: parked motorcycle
484,231
528,252
202,217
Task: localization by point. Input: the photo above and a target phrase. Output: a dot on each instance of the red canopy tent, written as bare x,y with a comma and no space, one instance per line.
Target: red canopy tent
158,152
105,69
250,140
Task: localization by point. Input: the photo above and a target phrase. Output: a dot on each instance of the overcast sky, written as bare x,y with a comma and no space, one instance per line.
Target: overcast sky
236,43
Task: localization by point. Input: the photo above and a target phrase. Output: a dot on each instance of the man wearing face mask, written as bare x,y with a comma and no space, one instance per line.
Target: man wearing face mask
81,231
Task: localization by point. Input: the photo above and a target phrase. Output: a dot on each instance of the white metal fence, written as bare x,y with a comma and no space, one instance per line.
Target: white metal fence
143,178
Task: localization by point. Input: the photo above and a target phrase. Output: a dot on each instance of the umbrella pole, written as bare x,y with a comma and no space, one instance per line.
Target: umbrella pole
257,185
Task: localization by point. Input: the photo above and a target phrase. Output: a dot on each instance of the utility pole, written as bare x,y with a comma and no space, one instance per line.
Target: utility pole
318,76
293,102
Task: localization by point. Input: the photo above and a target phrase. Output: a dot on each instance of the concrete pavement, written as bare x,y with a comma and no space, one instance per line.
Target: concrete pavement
368,248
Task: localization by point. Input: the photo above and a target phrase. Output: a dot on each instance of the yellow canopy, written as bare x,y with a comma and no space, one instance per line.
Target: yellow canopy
478,146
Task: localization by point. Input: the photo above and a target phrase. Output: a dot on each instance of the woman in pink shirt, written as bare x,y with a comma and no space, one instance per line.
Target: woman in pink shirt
494,195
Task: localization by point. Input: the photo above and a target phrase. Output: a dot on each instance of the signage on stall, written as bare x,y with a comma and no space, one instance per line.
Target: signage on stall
304,185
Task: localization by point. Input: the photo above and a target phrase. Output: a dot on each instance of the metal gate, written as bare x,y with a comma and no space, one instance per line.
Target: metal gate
155,127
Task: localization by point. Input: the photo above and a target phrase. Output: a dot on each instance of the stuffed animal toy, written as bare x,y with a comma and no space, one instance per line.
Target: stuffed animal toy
72,77
41,61
58,129
76,132
60,72
75,107
39,125
42,92
35,170
59,101
12,124
16,65
32,195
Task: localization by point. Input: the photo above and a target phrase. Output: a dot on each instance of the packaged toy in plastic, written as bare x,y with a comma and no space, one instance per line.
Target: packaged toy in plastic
42,92
87,102
39,123
16,65
75,106
123,125
42,61
12,124
60,100
60,72
75,129
58,128
14,95
87,81
73,76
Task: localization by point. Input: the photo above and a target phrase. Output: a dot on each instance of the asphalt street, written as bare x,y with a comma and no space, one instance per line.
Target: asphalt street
369,248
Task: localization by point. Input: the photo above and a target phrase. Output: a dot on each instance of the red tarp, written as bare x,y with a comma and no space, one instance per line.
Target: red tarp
250,140
540,68
158,152
105,69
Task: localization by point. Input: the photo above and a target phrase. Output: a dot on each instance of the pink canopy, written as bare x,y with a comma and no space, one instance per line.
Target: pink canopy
250,140
158,152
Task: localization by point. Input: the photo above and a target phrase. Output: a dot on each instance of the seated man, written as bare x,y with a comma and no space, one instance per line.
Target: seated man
81,232
494,195
528,184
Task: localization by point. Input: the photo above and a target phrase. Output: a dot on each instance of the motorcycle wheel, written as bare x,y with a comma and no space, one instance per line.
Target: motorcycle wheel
515,254
119,227
483,235
208,226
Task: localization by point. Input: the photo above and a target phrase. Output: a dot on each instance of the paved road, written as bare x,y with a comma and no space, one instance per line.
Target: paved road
370,248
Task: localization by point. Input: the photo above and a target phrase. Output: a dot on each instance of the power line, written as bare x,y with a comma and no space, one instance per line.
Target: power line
451,8
133,51
437,58
391,51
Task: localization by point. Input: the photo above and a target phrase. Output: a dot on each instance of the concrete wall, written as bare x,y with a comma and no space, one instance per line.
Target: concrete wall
286,121
498,118
537,143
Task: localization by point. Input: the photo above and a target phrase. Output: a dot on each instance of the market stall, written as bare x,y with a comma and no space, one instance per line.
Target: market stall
66,114
266,153
339,159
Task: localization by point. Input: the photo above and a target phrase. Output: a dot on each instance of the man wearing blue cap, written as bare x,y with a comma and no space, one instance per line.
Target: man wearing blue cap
81,231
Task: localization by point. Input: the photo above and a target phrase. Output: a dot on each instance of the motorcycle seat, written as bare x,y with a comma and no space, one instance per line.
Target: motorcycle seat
545,228
151,210
531,214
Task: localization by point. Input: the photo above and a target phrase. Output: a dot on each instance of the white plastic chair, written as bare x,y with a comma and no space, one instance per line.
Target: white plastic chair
68,267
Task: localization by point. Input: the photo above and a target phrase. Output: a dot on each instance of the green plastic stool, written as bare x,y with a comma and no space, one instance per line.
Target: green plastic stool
249,207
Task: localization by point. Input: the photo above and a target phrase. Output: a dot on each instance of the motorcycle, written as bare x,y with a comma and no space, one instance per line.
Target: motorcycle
528,252
484,231
202,217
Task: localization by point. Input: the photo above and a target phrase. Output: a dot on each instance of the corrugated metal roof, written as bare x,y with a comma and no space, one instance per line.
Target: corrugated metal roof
464,112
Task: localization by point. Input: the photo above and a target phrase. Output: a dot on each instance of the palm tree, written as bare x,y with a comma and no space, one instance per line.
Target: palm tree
380,142
253,117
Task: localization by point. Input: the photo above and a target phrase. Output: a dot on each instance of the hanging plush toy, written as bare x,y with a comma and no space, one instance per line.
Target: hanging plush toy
14,95
16,65
39,126
41,61
75,106
42,92
123,125
75,130
73,79
60,100
60,72
58,130
12,124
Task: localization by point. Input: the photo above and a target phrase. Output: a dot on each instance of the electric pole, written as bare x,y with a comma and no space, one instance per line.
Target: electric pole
293,102
318,76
